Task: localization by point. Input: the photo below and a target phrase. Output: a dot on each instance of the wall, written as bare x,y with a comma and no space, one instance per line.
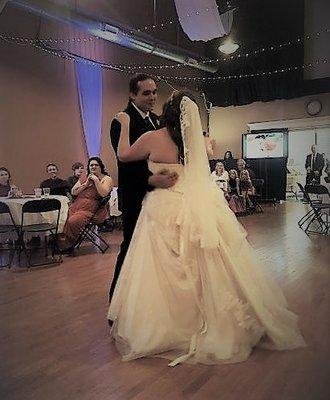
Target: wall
39,118
227,124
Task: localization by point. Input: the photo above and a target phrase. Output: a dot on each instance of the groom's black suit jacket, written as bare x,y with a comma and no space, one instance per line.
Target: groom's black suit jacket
132,181
132,176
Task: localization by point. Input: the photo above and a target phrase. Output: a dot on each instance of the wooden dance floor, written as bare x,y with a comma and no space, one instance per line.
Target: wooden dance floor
55,344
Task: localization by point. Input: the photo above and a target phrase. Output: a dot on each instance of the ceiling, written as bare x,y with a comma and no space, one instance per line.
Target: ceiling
257,25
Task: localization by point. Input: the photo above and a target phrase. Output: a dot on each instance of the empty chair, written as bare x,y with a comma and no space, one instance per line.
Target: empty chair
7,226
317,216
321,191
256,197
290,184
38,207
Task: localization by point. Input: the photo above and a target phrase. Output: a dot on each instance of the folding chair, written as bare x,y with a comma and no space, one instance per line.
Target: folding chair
309,213
317,211
290,184
37,207
318,189
323,207
90,230
258,185
6,228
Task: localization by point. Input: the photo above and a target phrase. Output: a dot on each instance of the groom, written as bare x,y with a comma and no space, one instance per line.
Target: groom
134,178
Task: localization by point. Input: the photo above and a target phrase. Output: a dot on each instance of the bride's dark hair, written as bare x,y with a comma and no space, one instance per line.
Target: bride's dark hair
171,118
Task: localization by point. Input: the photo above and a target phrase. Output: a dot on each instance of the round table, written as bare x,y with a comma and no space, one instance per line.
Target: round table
15,205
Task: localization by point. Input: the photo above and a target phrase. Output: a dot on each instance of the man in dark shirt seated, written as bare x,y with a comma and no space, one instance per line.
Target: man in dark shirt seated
78,170
56,185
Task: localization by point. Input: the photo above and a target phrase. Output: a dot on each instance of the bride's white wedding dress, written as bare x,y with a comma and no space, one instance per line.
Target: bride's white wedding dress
179,300
191,287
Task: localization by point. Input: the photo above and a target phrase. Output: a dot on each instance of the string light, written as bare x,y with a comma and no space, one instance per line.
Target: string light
58,53
79,40
137,68
241,76
272,47
51,40
165,23
69,56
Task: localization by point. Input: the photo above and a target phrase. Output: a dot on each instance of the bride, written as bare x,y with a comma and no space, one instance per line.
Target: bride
191,287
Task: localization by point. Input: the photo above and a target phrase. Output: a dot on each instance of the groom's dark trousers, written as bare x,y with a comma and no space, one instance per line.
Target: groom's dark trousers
132,182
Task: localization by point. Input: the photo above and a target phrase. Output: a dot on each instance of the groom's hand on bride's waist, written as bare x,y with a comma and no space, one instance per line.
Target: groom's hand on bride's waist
163,179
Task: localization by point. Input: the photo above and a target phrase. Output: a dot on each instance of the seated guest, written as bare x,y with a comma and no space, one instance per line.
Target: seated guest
246,188
220,176
89,191
5,186
78,169
56,185
235,200
233,182
229,161
241,165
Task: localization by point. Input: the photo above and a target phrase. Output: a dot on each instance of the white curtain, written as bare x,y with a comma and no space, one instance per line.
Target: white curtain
89,85
200,19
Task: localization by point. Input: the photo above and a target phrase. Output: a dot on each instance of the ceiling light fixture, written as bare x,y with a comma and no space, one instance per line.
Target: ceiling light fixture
228,47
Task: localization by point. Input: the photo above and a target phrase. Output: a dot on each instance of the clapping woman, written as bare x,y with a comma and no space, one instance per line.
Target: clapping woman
88,191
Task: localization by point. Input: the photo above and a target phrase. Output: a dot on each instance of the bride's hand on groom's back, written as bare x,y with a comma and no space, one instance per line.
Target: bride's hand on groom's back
163,179
123,118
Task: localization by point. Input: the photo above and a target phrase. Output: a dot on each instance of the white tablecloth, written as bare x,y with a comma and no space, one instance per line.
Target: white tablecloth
15,206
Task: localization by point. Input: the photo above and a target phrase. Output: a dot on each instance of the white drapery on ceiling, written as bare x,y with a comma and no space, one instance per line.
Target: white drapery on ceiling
200,19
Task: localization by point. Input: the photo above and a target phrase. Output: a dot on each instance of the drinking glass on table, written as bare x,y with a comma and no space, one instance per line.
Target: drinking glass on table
38,192
13,192
46,191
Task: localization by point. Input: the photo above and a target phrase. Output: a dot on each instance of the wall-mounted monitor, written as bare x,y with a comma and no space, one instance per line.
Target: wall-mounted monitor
270,143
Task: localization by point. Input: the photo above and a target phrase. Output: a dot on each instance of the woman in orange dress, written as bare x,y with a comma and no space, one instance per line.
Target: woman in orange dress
89,191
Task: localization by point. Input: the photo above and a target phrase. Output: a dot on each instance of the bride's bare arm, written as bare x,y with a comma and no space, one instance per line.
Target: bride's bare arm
209,144
139,149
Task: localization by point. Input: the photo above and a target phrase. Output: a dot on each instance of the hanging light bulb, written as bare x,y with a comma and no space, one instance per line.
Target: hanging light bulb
228,47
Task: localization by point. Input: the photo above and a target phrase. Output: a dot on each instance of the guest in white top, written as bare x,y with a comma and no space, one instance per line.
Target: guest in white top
220,176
